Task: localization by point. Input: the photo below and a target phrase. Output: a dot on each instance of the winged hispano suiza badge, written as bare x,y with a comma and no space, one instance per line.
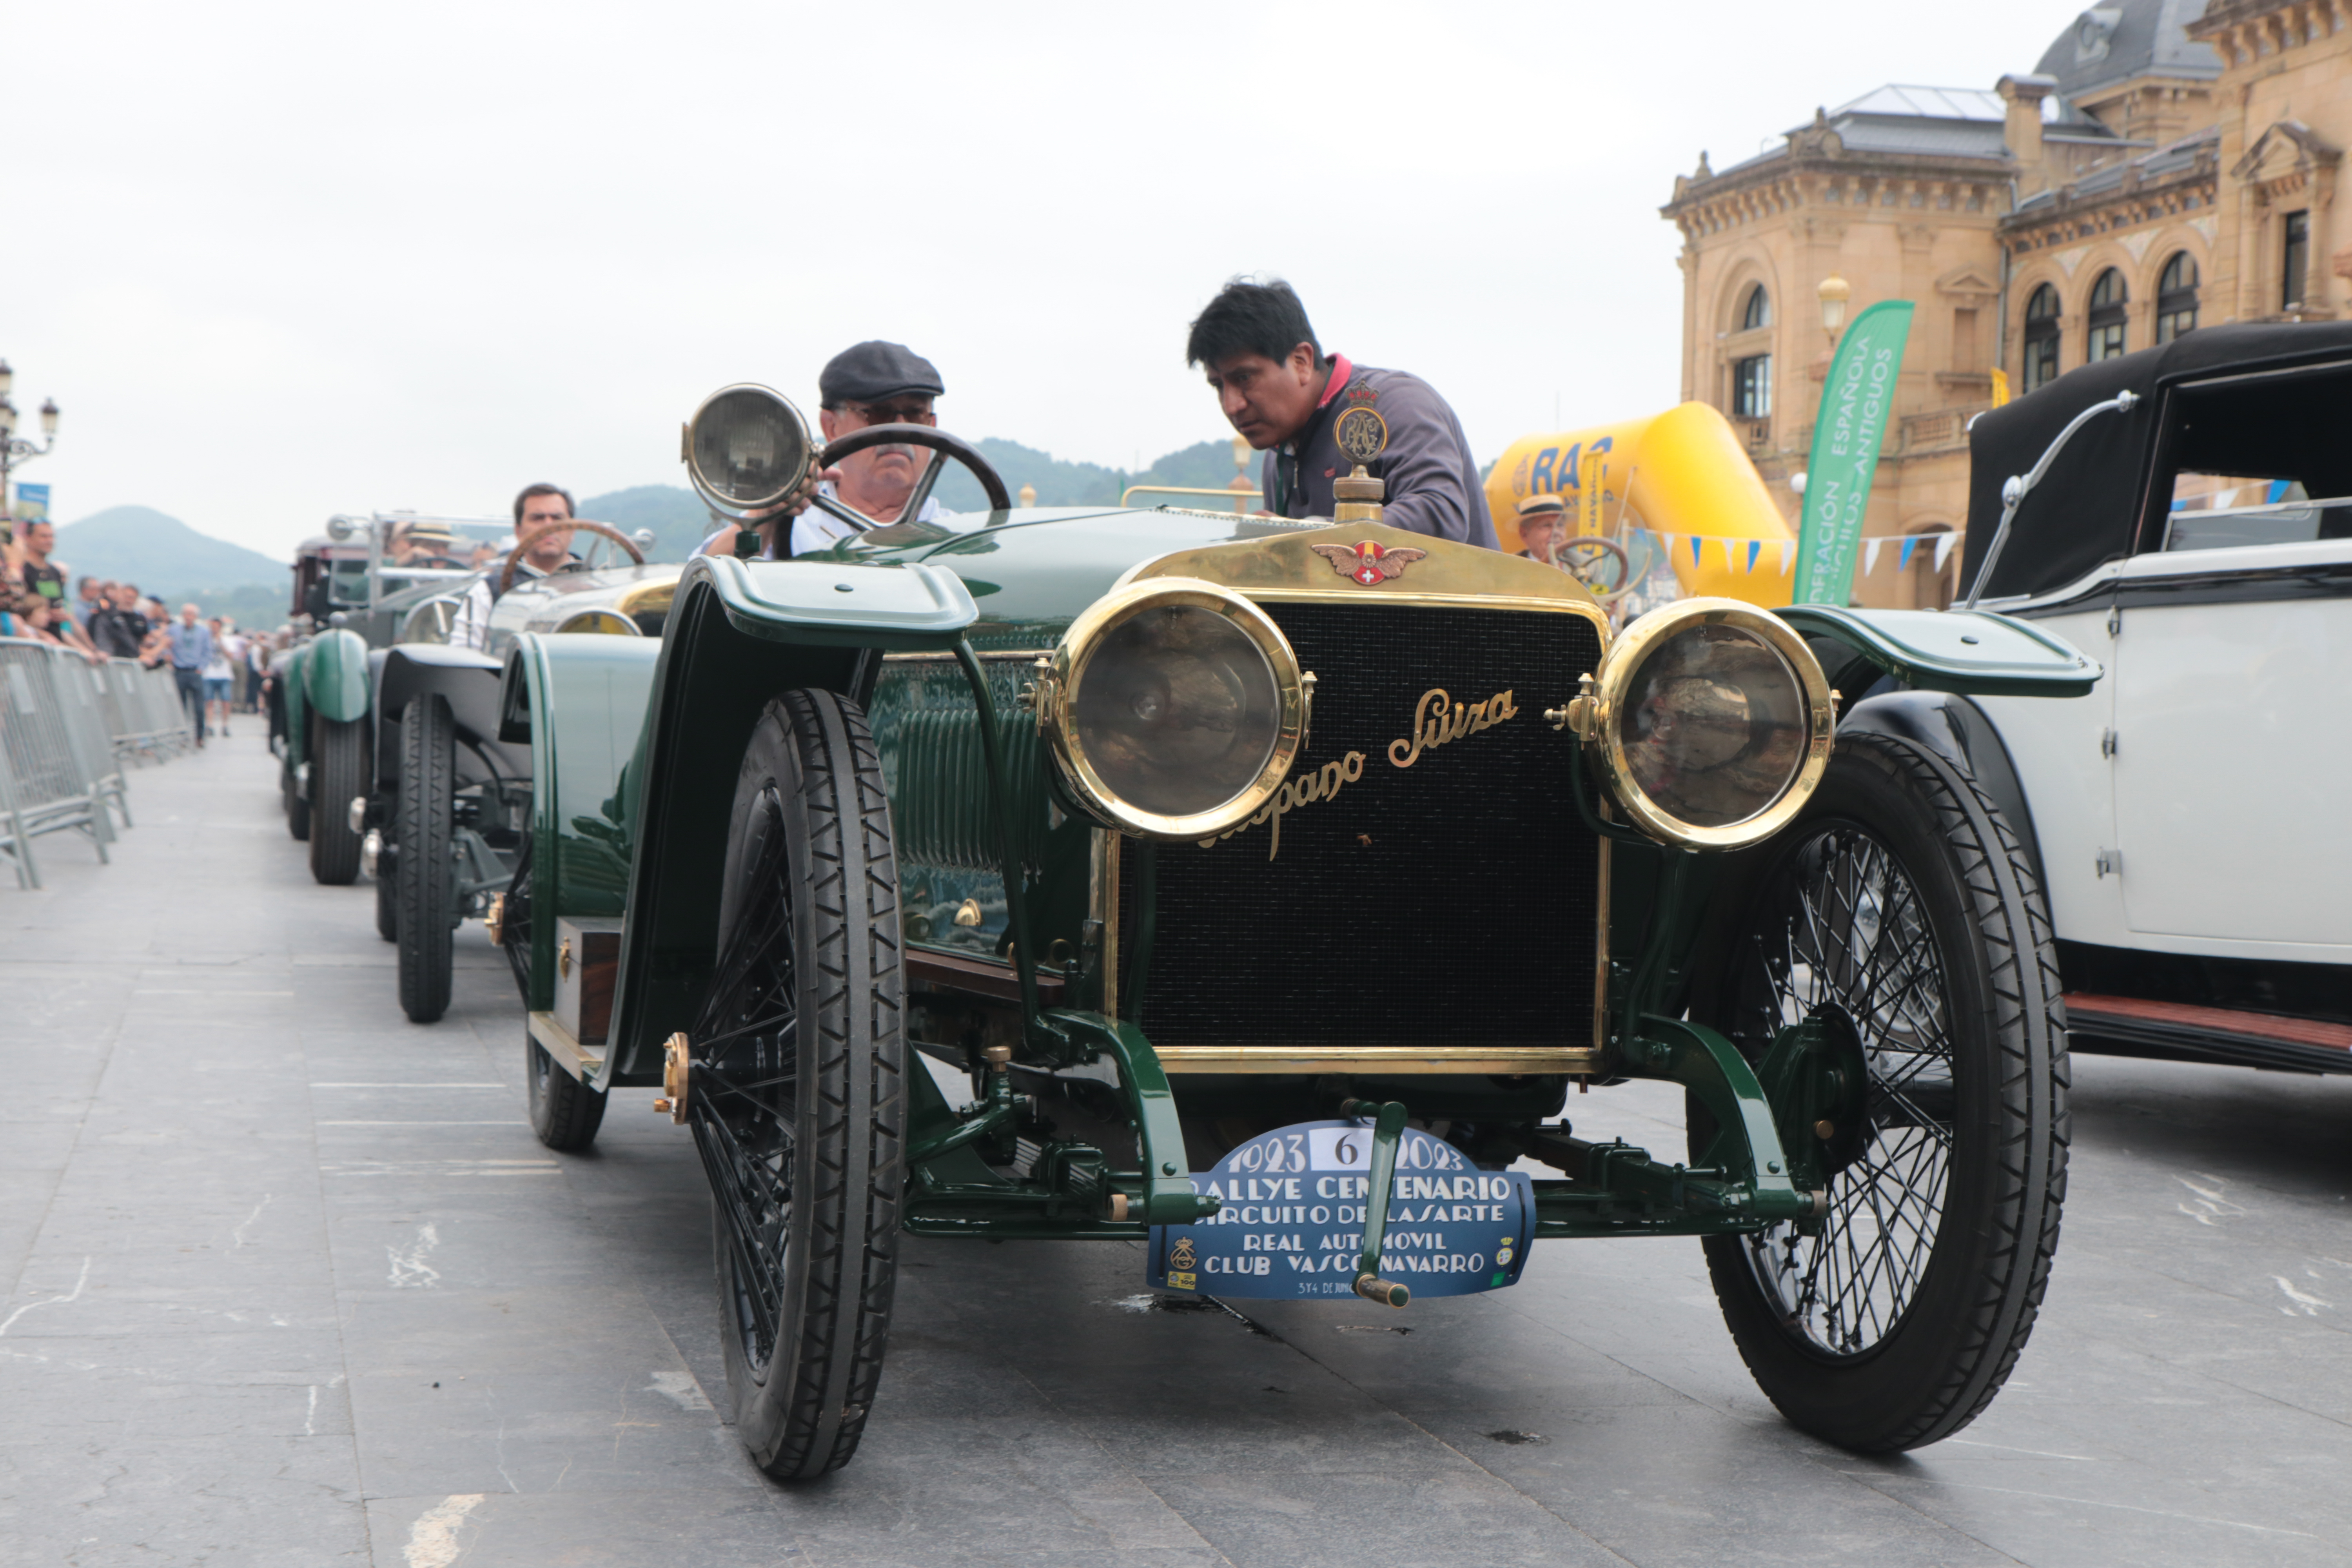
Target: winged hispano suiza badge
1292,1224
1369,563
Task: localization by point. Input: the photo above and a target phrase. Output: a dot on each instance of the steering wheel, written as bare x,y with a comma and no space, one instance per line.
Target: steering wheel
1591,559
942,446
529,537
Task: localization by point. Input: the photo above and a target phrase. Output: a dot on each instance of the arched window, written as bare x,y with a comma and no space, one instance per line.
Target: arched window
1751,376
2041,338
2175,298
2108,296
2294,259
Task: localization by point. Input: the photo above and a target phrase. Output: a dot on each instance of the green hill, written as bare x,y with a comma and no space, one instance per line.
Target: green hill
679,522
175,564
1207,466
158,553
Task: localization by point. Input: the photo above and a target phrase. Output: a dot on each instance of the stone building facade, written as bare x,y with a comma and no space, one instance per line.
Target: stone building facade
2168,164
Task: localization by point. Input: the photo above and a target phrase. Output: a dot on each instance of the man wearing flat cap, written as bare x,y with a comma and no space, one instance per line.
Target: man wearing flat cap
872,382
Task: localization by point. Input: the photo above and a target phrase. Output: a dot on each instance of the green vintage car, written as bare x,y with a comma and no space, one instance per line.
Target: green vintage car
445,822
352,597
356,597
1260,891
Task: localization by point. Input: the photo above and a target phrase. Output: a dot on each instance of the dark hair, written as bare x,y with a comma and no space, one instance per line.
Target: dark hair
529,490
1251,318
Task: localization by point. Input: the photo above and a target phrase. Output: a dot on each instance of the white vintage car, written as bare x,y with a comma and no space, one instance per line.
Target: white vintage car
2183,516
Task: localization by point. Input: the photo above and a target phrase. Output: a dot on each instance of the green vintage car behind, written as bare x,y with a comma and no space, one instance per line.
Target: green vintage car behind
445,823
354,602
1261,892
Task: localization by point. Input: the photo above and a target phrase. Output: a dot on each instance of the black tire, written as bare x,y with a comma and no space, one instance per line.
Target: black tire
387,902
421,873
564,1112
1900,894
297,810
806,1158
339,772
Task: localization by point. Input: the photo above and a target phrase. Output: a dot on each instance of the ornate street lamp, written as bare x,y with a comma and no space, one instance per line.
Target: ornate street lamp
15,450
1834,292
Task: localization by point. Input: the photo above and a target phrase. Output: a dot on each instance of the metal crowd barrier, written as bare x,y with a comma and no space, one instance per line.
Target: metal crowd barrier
144,717
65,727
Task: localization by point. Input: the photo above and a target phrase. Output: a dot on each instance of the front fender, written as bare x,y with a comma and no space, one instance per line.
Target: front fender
335,675
1944,650
737,635
470,681
1960,732
579,703
291,686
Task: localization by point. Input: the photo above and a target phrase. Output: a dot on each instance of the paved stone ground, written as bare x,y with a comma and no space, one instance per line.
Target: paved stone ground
286,1280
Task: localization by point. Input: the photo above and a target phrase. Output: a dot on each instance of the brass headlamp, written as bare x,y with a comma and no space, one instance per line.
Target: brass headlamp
746,449
1712,723
1173,708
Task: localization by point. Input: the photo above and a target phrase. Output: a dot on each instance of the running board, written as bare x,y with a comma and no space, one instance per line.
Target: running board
2181,1031
566,1051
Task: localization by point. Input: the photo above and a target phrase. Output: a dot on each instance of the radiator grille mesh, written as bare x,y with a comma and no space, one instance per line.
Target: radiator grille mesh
1452,903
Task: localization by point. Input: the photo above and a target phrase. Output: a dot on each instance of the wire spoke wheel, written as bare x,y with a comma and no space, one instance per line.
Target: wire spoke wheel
794,1091
514,936
1902,898
746,1036
1853,933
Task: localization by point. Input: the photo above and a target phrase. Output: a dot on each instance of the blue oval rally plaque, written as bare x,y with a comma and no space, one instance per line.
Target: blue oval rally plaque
1292,1224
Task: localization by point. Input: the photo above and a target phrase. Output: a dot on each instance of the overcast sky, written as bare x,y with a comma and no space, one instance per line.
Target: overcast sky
279,260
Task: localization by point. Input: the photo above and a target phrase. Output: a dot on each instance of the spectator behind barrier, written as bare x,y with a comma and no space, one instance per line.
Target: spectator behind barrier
118,628
191,643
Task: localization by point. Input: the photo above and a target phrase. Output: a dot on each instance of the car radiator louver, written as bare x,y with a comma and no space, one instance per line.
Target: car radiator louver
1452,903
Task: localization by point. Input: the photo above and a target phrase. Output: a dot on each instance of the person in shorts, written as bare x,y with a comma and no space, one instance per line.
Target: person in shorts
219,675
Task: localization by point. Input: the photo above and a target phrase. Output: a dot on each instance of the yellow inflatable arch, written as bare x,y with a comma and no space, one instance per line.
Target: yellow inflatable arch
1682,476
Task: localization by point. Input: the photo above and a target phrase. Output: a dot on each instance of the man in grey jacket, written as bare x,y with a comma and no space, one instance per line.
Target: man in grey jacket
1286,396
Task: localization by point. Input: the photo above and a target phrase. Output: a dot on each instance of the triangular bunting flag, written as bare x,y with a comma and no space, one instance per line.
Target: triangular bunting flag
1696,543
1788,550
1755,547
1870,549
1944,542
1903,562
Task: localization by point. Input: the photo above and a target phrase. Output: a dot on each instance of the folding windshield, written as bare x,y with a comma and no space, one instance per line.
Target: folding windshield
348,584
2254,460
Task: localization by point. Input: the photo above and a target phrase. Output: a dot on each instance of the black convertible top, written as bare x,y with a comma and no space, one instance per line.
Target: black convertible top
2087,507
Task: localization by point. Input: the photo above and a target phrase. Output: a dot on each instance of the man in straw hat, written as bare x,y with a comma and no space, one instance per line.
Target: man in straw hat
1542,519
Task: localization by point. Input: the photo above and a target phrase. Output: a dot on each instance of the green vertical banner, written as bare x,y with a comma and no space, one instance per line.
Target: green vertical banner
1856,407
